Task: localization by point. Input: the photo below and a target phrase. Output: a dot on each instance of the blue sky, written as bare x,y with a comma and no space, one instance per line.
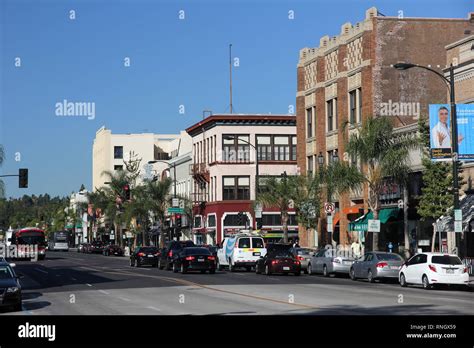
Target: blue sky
173,62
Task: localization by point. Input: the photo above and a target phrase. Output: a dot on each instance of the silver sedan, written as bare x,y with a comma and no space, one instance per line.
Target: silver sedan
376,265
328,262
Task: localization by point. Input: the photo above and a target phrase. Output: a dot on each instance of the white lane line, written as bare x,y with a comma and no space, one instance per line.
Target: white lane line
88,284
40,270
154,308
104,292
74,279
124,299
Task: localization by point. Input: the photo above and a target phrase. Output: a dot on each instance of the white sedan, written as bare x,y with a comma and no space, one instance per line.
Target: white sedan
429,269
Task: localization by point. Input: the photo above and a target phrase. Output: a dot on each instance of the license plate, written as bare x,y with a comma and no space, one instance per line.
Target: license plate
150,255
256,254
450,271
347,262
393,267
200,260
286,268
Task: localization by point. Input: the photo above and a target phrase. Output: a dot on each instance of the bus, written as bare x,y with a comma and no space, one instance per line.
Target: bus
29,238
59,241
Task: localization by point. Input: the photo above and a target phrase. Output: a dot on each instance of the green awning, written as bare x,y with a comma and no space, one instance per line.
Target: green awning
361,223
78,225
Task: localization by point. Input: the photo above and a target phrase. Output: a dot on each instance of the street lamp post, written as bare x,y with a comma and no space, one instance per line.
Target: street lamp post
454,125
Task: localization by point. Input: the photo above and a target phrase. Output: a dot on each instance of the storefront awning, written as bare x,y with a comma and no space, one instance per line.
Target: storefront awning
385,214
78,225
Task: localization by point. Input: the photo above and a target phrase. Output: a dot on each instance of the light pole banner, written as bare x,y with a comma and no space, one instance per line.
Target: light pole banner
465,118
440,132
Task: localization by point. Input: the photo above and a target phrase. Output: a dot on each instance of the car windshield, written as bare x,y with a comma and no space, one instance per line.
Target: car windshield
187,244
389,257
197,251
244,243
282,253
6,272
446,260
148,250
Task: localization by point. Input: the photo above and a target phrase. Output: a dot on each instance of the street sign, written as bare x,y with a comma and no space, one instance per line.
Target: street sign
128,235
112,237
175,210
329,208
329,220
457,215
175,202
457,226
373,225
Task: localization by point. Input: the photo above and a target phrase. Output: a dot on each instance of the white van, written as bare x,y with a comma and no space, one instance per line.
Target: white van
241,250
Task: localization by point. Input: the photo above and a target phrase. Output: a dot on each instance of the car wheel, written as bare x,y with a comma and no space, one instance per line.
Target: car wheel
297,273
310,269
305,271
203,271
175,269
256,269
137,263
426,283
370,276
403,281
183,269
160,266
168,266
231,266
325,271
248,268
219,266
352,274
267,270
132,263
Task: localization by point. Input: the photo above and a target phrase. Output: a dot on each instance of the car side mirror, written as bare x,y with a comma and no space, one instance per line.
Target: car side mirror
12,265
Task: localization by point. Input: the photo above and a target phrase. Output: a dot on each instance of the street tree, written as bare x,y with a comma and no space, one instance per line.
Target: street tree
158,192
382,156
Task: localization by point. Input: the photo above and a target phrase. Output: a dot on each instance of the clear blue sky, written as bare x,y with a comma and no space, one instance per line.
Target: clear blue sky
173,62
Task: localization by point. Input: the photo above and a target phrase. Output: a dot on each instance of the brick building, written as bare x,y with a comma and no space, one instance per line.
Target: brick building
349,77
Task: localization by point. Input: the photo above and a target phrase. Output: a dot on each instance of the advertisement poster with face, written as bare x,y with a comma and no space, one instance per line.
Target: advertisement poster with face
440,132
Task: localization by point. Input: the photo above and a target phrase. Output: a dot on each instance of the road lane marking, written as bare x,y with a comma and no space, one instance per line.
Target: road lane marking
104,292
154,308
40,270
125,299
88,284
74,279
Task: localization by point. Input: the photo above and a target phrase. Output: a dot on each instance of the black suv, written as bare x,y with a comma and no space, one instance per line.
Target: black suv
170,252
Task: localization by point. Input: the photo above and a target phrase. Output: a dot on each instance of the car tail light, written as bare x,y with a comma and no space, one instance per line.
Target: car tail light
157,254
432,267
170,253
189,258
465,270
274,261
300,257
336,260
296,262
141,254
382,264
211,258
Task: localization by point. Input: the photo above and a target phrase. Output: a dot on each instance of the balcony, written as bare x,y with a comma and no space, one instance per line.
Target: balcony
200,172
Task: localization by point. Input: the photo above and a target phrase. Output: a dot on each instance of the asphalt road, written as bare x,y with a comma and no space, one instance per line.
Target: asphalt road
73,283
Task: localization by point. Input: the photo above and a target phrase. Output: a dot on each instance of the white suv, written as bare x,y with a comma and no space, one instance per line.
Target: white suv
429,269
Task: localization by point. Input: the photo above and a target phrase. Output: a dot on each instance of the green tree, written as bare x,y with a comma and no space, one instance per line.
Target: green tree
159,195
282,193
382,155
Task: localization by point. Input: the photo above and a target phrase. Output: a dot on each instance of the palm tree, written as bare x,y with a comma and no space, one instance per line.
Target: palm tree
382,156
158,194
281,193
138,210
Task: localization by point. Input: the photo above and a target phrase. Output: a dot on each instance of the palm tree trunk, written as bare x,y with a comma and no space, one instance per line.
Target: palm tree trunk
375,235
284,223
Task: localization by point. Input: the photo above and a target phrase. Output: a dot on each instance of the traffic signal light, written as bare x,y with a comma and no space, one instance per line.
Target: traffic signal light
126,190
178,220
23,178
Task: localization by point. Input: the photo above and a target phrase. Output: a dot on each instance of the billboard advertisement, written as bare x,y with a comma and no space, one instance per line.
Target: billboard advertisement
440,131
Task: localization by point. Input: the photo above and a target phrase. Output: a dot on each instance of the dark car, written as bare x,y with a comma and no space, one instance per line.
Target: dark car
278,259
112,249
85,248
145,256
171,251
213,249
96,247
195,259
10,289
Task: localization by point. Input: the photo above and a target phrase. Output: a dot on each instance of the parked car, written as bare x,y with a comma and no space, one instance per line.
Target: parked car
112,249
85,248
171,251
278,259
327,262
376,265
213,249
194,259
430,269
10,288
145,255
96,247
303,255
80,248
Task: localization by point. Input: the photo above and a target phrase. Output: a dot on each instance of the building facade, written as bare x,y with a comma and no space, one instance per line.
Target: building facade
110,151
350,77
224,171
